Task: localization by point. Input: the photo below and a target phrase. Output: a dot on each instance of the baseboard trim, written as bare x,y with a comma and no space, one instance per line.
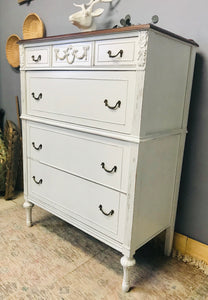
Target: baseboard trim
191,251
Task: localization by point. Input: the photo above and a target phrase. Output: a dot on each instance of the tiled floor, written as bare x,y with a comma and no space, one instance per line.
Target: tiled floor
54,260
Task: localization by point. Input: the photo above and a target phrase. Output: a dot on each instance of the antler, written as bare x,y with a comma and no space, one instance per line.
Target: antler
80,5
93,2
89,3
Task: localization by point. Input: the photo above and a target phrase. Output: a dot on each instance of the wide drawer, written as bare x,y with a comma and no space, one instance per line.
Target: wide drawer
37,57
115,52
69,55
99,99
92,204
97,159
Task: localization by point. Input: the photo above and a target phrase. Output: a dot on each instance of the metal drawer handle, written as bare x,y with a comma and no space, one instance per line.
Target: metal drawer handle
37,182
113,170
113,56
36,59
37,148
117,105
37,98
106,214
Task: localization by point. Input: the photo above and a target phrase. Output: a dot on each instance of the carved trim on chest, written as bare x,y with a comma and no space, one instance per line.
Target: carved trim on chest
71,53
142,50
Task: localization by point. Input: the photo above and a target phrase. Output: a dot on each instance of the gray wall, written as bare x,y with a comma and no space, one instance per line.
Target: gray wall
184,17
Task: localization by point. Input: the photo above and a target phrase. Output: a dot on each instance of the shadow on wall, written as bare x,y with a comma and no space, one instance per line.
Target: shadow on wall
15,70
197,95
108,22
24,1
196,106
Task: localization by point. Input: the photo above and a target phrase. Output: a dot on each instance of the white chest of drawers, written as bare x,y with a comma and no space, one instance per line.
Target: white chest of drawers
104,119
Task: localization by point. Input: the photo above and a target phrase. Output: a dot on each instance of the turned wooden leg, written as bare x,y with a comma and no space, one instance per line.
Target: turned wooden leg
169,240
126,263
28,206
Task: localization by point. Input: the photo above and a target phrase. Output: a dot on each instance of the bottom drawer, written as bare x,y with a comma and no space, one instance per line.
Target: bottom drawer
92,204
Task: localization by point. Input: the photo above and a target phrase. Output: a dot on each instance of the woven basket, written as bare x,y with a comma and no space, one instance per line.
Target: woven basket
33,27
12,50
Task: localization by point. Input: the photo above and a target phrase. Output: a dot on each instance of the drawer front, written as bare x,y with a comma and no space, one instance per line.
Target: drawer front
96,159
98,99
69,55
92,204
115,52
38,57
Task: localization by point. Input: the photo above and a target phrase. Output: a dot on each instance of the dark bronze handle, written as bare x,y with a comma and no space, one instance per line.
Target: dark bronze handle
37,148
36,59
117,105
114,169
106,214
37,98
113,56
37,182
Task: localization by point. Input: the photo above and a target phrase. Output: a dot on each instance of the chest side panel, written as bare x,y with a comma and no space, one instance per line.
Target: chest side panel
165,85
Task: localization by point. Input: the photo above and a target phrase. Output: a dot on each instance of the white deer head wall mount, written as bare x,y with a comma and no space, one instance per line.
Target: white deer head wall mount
84,19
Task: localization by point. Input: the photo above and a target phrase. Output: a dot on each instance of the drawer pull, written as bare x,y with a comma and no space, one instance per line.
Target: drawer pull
37,182
37,148
113,170
113,56
37,98
36,59
117,105
106,214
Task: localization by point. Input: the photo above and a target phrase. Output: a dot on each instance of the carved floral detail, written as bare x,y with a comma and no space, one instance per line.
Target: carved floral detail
70,54
142,52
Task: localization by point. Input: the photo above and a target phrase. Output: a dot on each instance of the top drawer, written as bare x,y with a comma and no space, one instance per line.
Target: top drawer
115,52
37,57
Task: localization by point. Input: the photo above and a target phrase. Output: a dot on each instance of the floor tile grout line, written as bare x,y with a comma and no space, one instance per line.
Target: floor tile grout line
77,267
70,272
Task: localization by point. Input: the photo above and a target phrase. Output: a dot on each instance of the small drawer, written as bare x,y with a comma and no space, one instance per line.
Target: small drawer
99,160
69,55
37,57
115,52
92,204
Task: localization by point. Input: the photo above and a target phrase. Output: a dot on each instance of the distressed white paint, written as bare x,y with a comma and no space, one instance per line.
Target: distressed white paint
144,137
87,163
39,56
68,87
127,45
126,263
28,206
